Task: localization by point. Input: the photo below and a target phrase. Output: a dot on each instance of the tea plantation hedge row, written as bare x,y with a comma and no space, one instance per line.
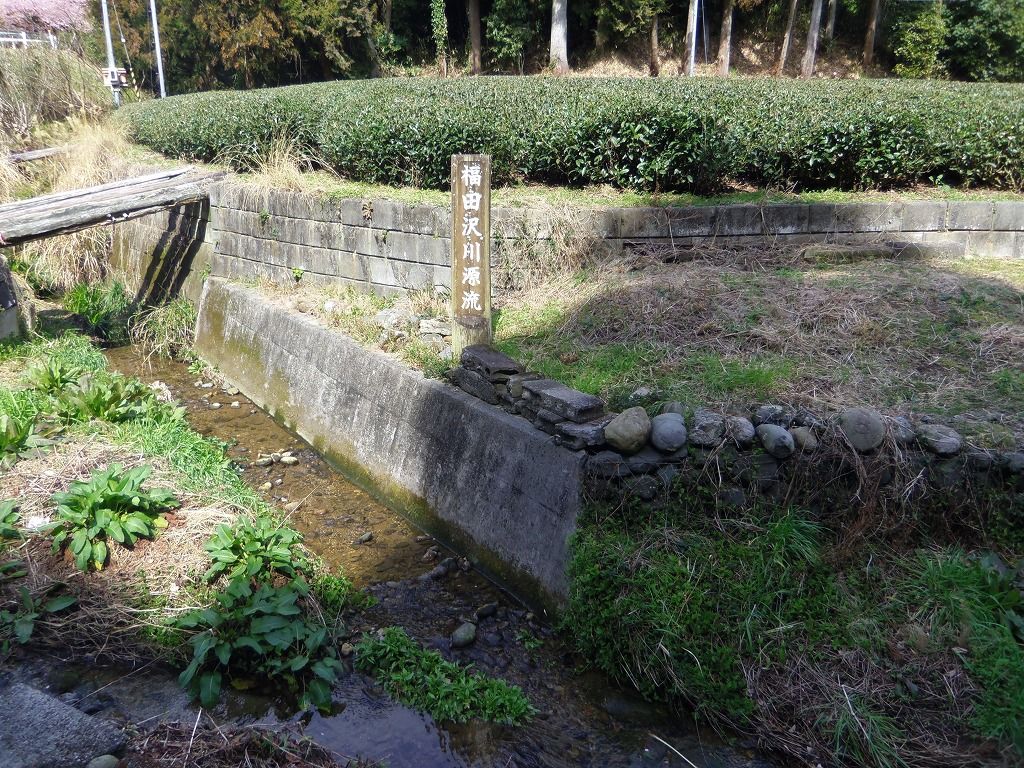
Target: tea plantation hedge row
679,134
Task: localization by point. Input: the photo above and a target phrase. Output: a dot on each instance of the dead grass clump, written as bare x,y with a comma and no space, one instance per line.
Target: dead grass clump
843,705
122,607
101,155
523,261
208,745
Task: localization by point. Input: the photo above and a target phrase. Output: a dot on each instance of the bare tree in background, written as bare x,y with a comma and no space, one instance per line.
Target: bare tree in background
559,57
476,47
725,41
690,54
787,41
655,65
811,52
872,33
830,25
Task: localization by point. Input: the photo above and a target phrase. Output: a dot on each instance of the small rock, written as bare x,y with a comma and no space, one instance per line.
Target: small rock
708,429
473,383
732,496
215,406
289,461
805,418
939,439
776,440
902,430
392,318
278,481
804,439
863,427
673,406
430,325
275,457
236,404
263,461
292,506
644,487
266,486
641,393
668,432
420,539
740,431
773,414
365,538
515,382
464,635
628,432
645,461
231,391
486,610
347,649
431,554
1013,462
608,464
104,761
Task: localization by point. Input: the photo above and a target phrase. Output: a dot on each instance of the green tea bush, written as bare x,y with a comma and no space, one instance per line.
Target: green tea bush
671,134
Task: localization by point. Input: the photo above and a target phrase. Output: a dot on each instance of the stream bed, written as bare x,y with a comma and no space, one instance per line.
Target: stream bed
583,720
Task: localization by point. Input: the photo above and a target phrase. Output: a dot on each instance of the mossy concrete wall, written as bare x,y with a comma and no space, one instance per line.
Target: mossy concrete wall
481,479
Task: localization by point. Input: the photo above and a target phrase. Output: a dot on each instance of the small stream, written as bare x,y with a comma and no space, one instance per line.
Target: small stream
583,721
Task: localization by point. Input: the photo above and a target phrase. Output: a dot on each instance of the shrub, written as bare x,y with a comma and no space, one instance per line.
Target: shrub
986,39
112,398
19,438
685,134
423,679
104,308
255,549
165,331
260,633
110,506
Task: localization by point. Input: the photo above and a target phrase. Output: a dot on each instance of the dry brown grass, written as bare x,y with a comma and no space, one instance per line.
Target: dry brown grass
880,332
208,745
101,154
164,573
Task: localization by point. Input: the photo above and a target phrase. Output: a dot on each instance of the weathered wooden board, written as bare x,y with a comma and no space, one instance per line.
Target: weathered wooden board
64,212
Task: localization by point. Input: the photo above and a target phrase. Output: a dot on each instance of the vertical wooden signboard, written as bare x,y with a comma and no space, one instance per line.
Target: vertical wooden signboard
471,251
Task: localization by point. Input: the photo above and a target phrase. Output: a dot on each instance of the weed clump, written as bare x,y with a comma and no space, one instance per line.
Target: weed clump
423,679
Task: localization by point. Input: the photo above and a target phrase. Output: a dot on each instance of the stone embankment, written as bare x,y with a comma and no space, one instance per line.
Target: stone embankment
757,453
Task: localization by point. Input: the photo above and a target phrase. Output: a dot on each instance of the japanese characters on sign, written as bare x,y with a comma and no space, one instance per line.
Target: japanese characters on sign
471,224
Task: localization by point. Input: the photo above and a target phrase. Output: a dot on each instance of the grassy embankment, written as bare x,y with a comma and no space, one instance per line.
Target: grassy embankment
212,577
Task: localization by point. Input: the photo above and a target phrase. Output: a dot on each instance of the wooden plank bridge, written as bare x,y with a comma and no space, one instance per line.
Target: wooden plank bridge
61,213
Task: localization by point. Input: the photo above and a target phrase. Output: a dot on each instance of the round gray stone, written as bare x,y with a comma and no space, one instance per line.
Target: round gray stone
708,429
464,635
740,431
863,427
902,430
804,439
645,461
608,464
628,432
673,406
644,487
773,414
939,439
668,432
776,440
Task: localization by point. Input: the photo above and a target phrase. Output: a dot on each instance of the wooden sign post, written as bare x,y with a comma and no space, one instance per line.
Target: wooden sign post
471,251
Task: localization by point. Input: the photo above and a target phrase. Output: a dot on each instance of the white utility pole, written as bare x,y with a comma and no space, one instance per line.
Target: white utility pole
156,45
115,86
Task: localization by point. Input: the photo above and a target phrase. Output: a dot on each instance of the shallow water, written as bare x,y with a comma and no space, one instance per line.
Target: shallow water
584,720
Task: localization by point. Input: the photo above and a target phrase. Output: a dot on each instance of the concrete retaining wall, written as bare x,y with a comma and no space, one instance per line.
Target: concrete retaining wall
483,480
389,247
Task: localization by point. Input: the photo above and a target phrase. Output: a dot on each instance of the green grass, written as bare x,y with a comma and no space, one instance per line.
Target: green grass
166,330
105,309
683,597
426,681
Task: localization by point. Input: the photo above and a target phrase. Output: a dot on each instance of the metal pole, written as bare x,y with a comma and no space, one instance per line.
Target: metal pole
156,45
111,64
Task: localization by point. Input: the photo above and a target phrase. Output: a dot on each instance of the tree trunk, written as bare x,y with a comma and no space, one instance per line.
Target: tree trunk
655,60
476,54
559,58
787,41
725,44
830,25
869,38
690,54
385,14
811,53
